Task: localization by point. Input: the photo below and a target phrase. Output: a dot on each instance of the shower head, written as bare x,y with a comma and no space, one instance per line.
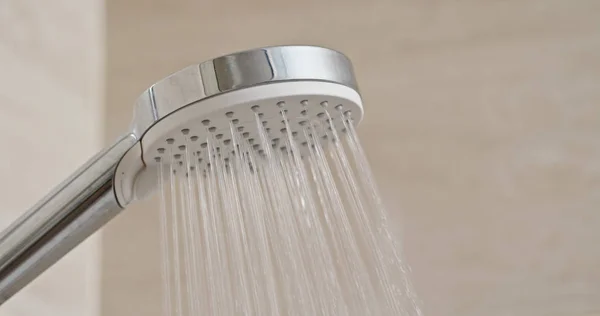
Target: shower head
175,115
183,109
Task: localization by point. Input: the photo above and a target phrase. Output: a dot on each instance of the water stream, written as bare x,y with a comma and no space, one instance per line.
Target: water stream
292,226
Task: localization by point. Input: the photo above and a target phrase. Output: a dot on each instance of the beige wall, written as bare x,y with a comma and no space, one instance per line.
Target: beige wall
51,122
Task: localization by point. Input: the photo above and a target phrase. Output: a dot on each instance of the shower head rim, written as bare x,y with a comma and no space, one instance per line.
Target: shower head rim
240,70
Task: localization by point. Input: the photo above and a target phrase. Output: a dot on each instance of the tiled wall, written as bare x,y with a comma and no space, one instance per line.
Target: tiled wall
51,121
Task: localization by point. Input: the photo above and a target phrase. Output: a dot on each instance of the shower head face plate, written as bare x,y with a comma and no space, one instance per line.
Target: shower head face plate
235,118
178,116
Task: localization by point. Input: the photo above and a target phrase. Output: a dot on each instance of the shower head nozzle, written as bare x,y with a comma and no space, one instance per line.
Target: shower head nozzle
176,115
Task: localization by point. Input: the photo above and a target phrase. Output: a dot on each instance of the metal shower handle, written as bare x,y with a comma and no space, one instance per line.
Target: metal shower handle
61,220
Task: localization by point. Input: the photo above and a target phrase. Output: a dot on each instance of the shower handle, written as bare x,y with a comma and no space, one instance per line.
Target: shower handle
61,220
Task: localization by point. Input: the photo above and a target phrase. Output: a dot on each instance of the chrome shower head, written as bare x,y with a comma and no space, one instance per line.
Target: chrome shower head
183,109
178,112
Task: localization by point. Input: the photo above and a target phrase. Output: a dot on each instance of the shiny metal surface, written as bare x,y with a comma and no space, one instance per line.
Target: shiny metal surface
81,222
237,71
31,233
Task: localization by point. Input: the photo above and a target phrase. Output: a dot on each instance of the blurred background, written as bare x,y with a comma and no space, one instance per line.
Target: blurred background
482,125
